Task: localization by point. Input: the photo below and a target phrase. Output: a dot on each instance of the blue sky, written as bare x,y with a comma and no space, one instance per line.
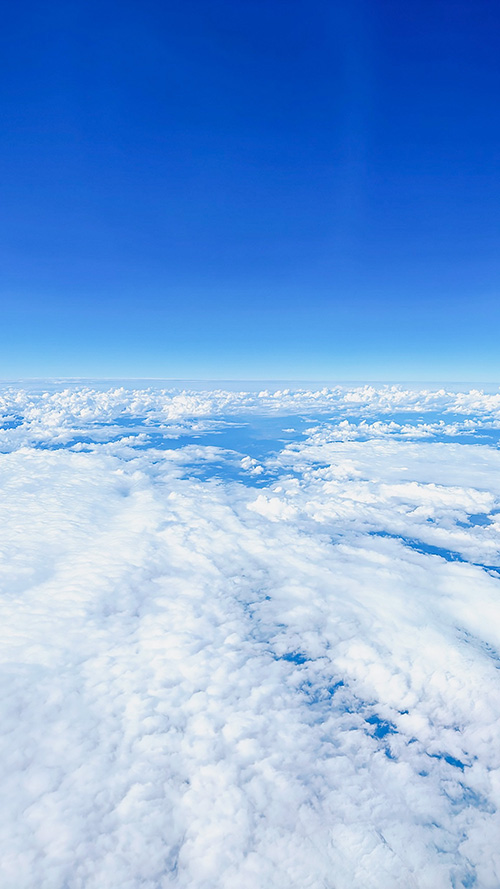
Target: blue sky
252,189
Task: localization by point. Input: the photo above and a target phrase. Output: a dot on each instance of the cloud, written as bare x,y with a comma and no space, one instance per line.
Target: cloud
59,413
208,683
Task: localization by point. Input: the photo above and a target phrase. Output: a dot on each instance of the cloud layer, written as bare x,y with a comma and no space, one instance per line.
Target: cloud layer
230,667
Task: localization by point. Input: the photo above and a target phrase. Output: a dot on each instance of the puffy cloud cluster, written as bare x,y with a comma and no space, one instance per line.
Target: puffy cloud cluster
62,412
283,676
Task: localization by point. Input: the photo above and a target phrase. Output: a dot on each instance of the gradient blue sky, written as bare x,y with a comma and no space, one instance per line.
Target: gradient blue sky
250,188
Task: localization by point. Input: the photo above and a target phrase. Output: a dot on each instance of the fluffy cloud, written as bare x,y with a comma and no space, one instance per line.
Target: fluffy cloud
59,413
225,670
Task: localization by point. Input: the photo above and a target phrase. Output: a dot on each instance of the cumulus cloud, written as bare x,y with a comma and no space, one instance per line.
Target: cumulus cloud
220,670
62,412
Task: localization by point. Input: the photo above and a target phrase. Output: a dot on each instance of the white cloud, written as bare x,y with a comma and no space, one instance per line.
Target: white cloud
59,413
207,684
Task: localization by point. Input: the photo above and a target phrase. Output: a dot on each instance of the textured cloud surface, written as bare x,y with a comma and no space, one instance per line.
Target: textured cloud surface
250,639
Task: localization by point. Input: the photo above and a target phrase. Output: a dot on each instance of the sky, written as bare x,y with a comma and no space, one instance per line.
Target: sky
250,190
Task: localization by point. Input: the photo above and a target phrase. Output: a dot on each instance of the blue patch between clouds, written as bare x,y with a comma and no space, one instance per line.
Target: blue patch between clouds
480,519
293,657
468,881
451,760
428,549
11,423
382,726
473,798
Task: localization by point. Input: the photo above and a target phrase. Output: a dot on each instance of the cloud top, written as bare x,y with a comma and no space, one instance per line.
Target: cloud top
225,669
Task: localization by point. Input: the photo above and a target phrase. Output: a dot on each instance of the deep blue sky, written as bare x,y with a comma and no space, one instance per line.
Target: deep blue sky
250,188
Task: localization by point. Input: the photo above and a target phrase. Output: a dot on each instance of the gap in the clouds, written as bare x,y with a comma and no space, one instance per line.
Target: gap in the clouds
293,657
470,797
331,689
425,549
256,437
382,728
464,877
11,422
324,698
477,438
469,881
479,519
428,549
253,436
451,760
128,422
229,469
226,472
84,444
321,691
